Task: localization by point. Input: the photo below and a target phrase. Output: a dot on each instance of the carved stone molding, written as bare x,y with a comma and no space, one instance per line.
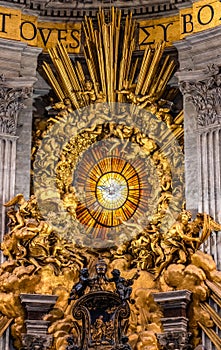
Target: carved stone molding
175,322
36,306
206,96
36,342
78,8
174,340
11,103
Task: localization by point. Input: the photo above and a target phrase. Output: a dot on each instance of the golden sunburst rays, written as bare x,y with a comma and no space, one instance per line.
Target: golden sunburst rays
112,74
81,169
112,69
115,190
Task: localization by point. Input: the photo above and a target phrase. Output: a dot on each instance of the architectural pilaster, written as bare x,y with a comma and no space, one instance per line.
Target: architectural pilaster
205,96
11,103
17,76
200,82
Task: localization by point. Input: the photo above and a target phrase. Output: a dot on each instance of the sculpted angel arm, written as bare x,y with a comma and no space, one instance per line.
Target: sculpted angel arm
19,214
185,237
189,238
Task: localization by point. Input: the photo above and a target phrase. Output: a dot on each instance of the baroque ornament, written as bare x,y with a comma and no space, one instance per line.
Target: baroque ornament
75,175
108,183
96,125
11,103
41,261
206,96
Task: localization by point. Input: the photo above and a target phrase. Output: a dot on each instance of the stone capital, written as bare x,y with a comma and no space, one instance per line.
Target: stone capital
13,93
204,91
175,340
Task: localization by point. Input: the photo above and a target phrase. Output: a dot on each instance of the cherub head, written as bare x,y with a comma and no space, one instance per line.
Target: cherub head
115,272
88,85
84,272
185,216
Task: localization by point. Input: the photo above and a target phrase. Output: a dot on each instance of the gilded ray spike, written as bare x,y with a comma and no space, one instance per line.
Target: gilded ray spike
113,73
215,339
215,317
53,81
144,69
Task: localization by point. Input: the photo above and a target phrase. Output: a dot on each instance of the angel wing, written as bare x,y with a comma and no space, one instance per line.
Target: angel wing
18,199
208,225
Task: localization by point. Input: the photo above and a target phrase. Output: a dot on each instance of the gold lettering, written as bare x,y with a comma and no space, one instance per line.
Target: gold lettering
201,15
45,36
31,29
144,31
3,21
187,23
165,28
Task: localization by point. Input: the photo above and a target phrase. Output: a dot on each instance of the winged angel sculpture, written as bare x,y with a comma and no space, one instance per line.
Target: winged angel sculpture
39,259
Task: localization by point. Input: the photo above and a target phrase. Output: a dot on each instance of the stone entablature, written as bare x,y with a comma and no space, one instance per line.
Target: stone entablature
78,9
44,23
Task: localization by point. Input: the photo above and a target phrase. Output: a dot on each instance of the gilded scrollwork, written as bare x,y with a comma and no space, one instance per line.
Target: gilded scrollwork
132,132
58,262
50,240
64,108
116,139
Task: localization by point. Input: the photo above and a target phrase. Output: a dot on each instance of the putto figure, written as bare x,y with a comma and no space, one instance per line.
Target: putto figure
79,288
123,286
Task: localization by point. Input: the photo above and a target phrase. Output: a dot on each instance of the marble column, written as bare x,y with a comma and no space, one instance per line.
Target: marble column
200,81
7,175
18,64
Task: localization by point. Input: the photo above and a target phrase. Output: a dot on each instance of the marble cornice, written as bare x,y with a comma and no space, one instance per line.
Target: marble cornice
77,9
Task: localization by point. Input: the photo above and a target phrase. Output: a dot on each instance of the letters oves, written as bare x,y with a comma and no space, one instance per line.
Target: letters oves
29,31
35,33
